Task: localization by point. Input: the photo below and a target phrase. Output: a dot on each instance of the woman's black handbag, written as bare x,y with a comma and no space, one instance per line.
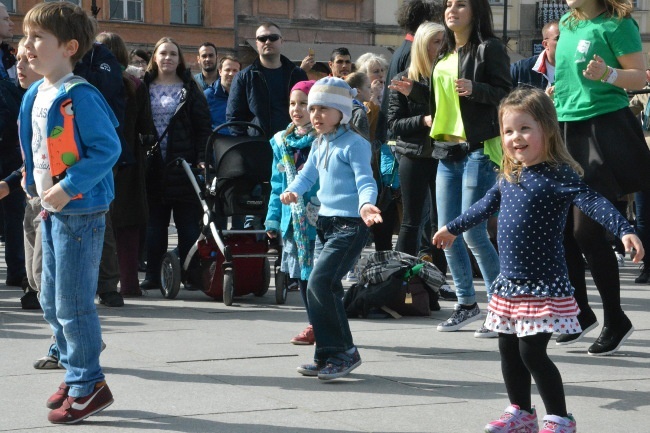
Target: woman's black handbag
448,150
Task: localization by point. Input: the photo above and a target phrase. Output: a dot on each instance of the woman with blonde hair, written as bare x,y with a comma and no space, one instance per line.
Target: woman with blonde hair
410,122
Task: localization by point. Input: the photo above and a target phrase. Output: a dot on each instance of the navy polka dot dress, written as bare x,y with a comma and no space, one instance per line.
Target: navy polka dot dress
533,284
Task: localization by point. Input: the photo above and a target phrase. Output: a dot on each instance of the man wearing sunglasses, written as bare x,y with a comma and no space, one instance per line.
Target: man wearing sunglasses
538,71
260,92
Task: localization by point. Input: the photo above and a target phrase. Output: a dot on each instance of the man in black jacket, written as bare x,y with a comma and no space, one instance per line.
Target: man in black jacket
260,93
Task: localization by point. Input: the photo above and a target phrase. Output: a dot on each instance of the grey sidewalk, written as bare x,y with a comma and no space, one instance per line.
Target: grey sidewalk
194,365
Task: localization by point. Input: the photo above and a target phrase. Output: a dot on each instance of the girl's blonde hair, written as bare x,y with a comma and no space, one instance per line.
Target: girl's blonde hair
539,106
421,65
613,8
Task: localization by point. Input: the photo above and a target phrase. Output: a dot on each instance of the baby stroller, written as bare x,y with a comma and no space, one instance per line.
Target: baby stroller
237,183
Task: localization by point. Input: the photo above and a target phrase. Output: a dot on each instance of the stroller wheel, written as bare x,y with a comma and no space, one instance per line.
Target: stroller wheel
228,287
170,275
266,279
281,287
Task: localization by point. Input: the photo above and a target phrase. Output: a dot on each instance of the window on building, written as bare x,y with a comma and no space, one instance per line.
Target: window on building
128,10
11,7
77,2
186,12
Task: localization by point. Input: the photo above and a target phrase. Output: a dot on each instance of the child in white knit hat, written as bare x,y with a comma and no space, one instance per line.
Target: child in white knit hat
340,161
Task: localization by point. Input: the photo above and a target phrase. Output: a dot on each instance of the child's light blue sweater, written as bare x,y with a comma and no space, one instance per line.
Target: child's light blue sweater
341,162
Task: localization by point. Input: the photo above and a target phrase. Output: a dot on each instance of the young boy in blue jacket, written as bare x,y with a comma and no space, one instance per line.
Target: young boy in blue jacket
68,139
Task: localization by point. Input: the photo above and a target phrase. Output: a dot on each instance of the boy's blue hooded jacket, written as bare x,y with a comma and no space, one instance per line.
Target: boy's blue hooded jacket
96,141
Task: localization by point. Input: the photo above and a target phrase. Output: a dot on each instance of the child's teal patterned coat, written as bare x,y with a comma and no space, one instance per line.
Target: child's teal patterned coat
278,217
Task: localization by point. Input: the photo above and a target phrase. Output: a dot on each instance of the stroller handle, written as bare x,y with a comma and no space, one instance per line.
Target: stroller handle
239,123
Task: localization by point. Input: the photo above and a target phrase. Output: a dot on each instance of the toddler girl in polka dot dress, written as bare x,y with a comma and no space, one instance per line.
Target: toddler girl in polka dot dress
532,296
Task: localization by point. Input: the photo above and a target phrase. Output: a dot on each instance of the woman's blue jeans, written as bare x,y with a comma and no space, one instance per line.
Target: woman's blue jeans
339,242
459,184
72,250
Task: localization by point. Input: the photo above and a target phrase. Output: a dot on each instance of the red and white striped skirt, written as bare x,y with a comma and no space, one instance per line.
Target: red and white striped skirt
529,315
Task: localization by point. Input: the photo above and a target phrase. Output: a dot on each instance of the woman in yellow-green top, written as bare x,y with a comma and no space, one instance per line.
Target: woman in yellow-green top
599,55
469,80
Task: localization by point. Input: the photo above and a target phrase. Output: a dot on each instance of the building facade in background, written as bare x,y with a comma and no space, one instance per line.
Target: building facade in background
360,25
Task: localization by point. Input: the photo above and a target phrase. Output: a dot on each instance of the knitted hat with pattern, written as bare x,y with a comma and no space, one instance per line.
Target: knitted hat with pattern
334,93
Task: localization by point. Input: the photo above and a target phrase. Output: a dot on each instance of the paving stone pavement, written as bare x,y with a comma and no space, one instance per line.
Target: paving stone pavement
194,365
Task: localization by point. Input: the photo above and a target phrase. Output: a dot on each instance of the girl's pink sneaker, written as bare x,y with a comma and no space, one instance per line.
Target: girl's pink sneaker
558,424
514,420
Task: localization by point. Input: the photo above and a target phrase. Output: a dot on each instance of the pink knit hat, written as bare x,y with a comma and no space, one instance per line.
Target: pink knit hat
304,86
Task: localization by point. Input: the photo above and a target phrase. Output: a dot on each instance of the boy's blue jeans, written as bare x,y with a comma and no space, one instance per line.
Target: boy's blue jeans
339,242
459,184
72,249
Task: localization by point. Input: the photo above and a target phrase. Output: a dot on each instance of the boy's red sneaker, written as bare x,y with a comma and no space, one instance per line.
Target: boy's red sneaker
56,400
74,410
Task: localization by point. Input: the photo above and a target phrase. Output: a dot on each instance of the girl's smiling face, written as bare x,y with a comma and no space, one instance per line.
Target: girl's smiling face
324,119
298,108
523,138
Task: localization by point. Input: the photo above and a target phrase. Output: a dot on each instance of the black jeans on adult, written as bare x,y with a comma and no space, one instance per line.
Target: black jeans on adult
13,209
186,218
417,179
109,270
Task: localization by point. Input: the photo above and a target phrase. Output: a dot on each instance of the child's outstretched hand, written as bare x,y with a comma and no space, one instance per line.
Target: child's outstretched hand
288,197
56,197
633,241
443,239
370,214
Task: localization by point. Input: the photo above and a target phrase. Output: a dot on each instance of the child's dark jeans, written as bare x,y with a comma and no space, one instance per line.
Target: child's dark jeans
339,242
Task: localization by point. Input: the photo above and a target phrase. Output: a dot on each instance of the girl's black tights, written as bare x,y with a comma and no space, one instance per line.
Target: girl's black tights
524,357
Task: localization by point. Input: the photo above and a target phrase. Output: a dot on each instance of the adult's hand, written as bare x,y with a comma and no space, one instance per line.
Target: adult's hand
307,63
463,87
404,86
596,69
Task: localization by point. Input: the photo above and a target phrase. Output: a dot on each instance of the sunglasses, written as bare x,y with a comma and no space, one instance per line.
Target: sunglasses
273,37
